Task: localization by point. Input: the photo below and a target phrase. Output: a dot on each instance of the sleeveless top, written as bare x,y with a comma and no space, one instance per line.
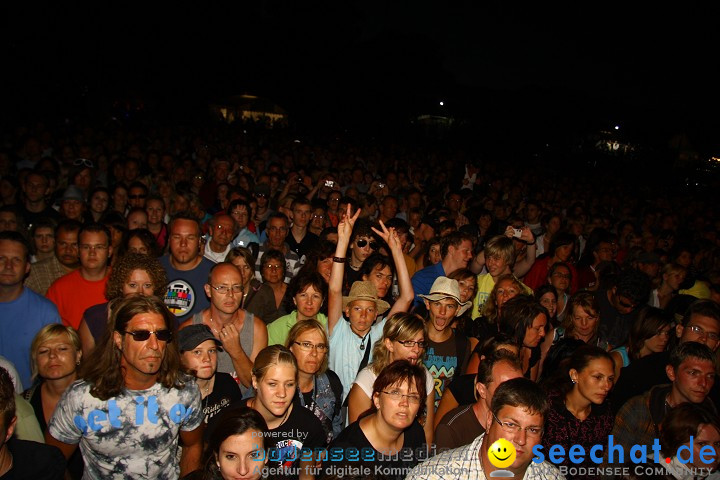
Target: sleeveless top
246,342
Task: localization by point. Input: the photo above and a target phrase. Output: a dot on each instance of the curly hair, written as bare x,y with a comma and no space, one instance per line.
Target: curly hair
103,370
135,261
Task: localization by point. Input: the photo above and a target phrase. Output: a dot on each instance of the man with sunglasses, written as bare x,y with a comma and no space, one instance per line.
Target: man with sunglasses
137,195
701,323
517,415
362,245
242,333
133,404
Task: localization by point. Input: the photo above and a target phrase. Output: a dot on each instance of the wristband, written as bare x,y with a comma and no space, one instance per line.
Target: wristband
339,259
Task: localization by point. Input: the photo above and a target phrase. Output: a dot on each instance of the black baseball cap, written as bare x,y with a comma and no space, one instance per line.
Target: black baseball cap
193,335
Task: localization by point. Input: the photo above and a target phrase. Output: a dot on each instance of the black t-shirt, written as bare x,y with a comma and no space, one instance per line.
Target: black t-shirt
225,393
297,439
352,454
34,460
308,242
614,326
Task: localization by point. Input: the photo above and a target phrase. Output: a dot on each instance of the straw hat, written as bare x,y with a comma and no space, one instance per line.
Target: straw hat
365,290
444,287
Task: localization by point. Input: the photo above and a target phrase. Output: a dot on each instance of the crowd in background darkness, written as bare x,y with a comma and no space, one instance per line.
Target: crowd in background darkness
588,278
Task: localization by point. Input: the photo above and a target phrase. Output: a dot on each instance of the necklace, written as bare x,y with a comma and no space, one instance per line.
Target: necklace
362,343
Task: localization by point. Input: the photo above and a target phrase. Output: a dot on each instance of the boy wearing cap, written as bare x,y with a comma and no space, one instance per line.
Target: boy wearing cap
199,355
448,351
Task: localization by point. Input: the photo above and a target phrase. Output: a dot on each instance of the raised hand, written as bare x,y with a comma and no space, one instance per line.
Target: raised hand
390,236
346,224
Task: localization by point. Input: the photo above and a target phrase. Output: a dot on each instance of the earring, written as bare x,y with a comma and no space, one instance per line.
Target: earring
77,363
573,381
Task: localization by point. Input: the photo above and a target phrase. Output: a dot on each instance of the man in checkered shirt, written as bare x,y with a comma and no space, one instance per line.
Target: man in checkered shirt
517,414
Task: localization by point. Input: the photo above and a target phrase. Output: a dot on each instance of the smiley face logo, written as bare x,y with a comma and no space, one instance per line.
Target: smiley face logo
501,453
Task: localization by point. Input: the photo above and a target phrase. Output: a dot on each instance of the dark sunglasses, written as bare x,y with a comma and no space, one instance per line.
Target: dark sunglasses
142,335
362,242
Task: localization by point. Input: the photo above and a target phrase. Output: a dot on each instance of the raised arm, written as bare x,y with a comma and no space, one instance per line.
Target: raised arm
522,268
407,293
337,273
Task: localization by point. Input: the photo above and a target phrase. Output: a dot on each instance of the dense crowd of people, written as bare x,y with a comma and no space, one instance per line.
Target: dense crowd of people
228,303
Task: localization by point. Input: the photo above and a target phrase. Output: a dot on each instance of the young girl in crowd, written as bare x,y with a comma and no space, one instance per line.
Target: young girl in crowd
579,412
294,433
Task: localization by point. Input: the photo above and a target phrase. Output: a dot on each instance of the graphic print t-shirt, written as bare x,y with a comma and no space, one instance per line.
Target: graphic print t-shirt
133,435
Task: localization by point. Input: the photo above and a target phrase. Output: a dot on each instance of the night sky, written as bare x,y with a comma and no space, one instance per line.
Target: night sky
536,66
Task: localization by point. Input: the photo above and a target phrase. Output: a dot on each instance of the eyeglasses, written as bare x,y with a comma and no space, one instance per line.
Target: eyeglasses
513,428
87,248
142,335
362,242
83,161
224,289
411,343
698,330
397,396
260,195
137,196
307,346
319,216
273,267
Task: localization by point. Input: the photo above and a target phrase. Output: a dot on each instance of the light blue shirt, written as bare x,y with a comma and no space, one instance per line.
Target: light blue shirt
244,238
345,353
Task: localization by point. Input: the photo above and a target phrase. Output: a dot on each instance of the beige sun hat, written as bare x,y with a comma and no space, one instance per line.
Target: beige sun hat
365,290
444,287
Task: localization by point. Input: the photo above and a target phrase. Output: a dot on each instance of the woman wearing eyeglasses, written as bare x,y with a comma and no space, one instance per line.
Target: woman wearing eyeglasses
319,389
579,412
403,338
388,438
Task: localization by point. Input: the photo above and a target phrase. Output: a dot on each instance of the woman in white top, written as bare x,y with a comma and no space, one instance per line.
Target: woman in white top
403,338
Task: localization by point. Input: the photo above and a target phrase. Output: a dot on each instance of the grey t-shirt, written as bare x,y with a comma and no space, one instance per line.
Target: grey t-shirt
133,435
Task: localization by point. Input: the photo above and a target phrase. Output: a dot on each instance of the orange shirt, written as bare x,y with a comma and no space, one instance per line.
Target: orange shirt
72,295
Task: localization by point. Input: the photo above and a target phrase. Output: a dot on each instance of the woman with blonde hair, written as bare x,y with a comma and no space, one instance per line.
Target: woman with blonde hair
319,389
404,338
275,380
55,356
